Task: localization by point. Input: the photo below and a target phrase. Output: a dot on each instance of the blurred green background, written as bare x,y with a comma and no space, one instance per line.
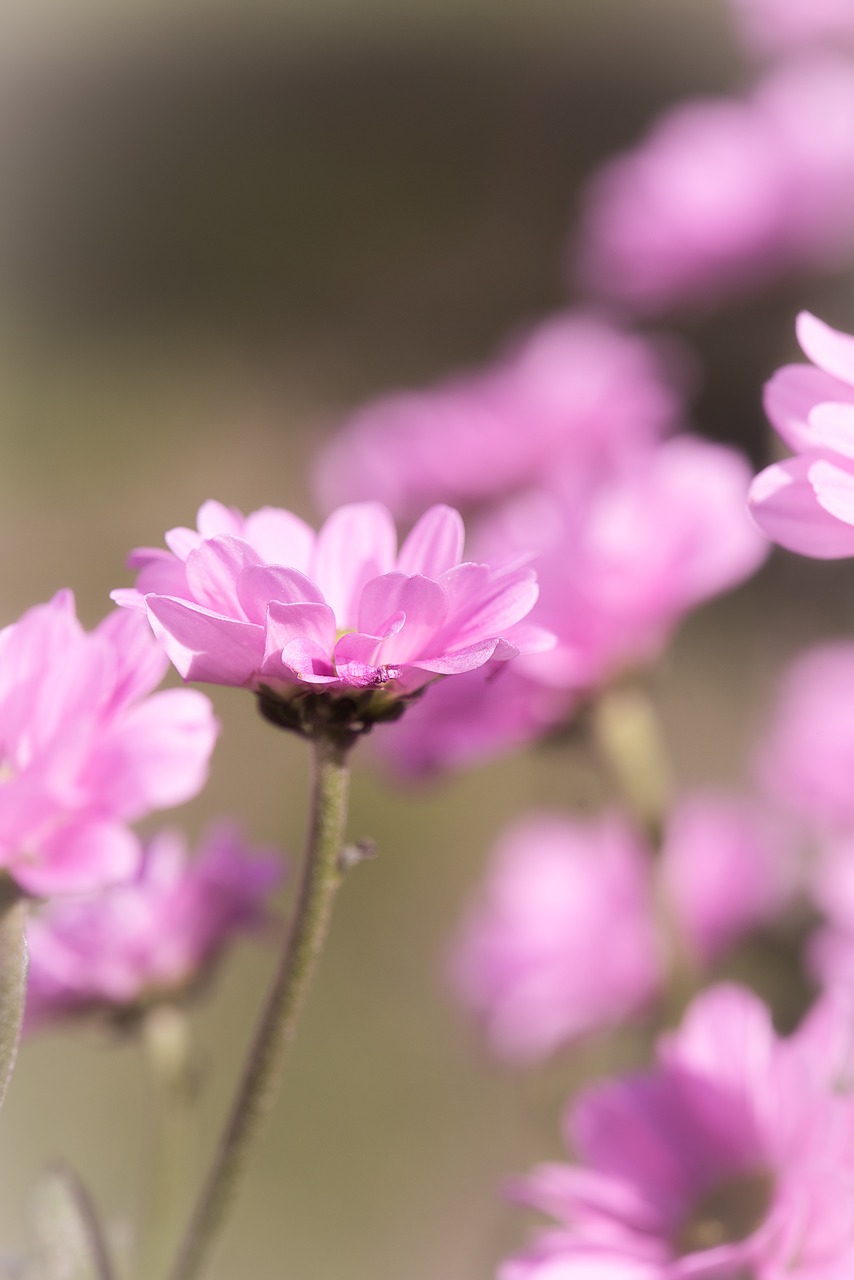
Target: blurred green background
222,225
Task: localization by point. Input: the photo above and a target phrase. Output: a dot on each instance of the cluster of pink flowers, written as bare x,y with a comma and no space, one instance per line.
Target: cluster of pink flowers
732,1156
575,391
151,936
724,195
528,959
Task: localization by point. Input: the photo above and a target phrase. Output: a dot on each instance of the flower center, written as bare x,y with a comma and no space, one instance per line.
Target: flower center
727,1212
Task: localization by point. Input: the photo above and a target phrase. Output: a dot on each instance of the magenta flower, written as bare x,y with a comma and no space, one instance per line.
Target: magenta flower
624,555
575,390
806,503
732,1157
85,749
152,937
265,603
806,757
723,196
528,960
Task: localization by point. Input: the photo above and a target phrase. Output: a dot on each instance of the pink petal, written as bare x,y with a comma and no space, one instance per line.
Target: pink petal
484,603
833,427
356,543
785,506
834,489
80,858
306,632
212,573
262,584
422,602
204,645
460,660
792,394
214,520
155,756
830,349
141,662
435,543
280,537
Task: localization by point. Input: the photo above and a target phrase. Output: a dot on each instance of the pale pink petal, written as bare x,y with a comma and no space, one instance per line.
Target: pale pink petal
160,571
833,427
299,641
834,490
204,645
141,662
357,543
280,537
81,857
791,395
262,584
784,504
829,348
460,660
156,756
214,519
212,573
422,601
435,543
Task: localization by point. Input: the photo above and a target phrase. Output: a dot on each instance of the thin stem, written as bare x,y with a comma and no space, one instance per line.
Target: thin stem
321,876
14,959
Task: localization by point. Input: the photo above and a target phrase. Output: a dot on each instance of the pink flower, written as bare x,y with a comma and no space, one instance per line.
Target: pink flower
724,195
624,555
775,25
265,603
732,1157
806,757
153,936
85,750
575,389
529,959
830,949
807,502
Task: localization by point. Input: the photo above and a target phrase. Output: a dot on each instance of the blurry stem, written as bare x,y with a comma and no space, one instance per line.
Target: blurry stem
166,1038
14,959
321,875
628,734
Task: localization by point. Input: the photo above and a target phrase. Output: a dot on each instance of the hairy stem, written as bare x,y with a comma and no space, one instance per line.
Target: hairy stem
321,875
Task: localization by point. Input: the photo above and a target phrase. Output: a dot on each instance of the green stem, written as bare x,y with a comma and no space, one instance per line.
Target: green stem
321,876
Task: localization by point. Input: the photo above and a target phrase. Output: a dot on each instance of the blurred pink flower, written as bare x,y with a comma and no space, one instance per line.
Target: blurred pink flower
806,503
732,1157
624,555
806,757
85,750
830,949
153,936
575,389
776,25
529,958
724,195
265,603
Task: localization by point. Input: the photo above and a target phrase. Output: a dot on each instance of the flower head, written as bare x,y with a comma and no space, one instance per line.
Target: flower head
725,195
733,1156
153,936
576,389
340,618
806,503
85,747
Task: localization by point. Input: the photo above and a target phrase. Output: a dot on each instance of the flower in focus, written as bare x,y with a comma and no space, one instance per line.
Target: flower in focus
732,1157
152,937
775,25
86,746
265,603
806,503
529,959
724,195
623,556
576,389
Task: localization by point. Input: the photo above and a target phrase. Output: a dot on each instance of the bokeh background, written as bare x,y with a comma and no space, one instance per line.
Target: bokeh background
223,225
